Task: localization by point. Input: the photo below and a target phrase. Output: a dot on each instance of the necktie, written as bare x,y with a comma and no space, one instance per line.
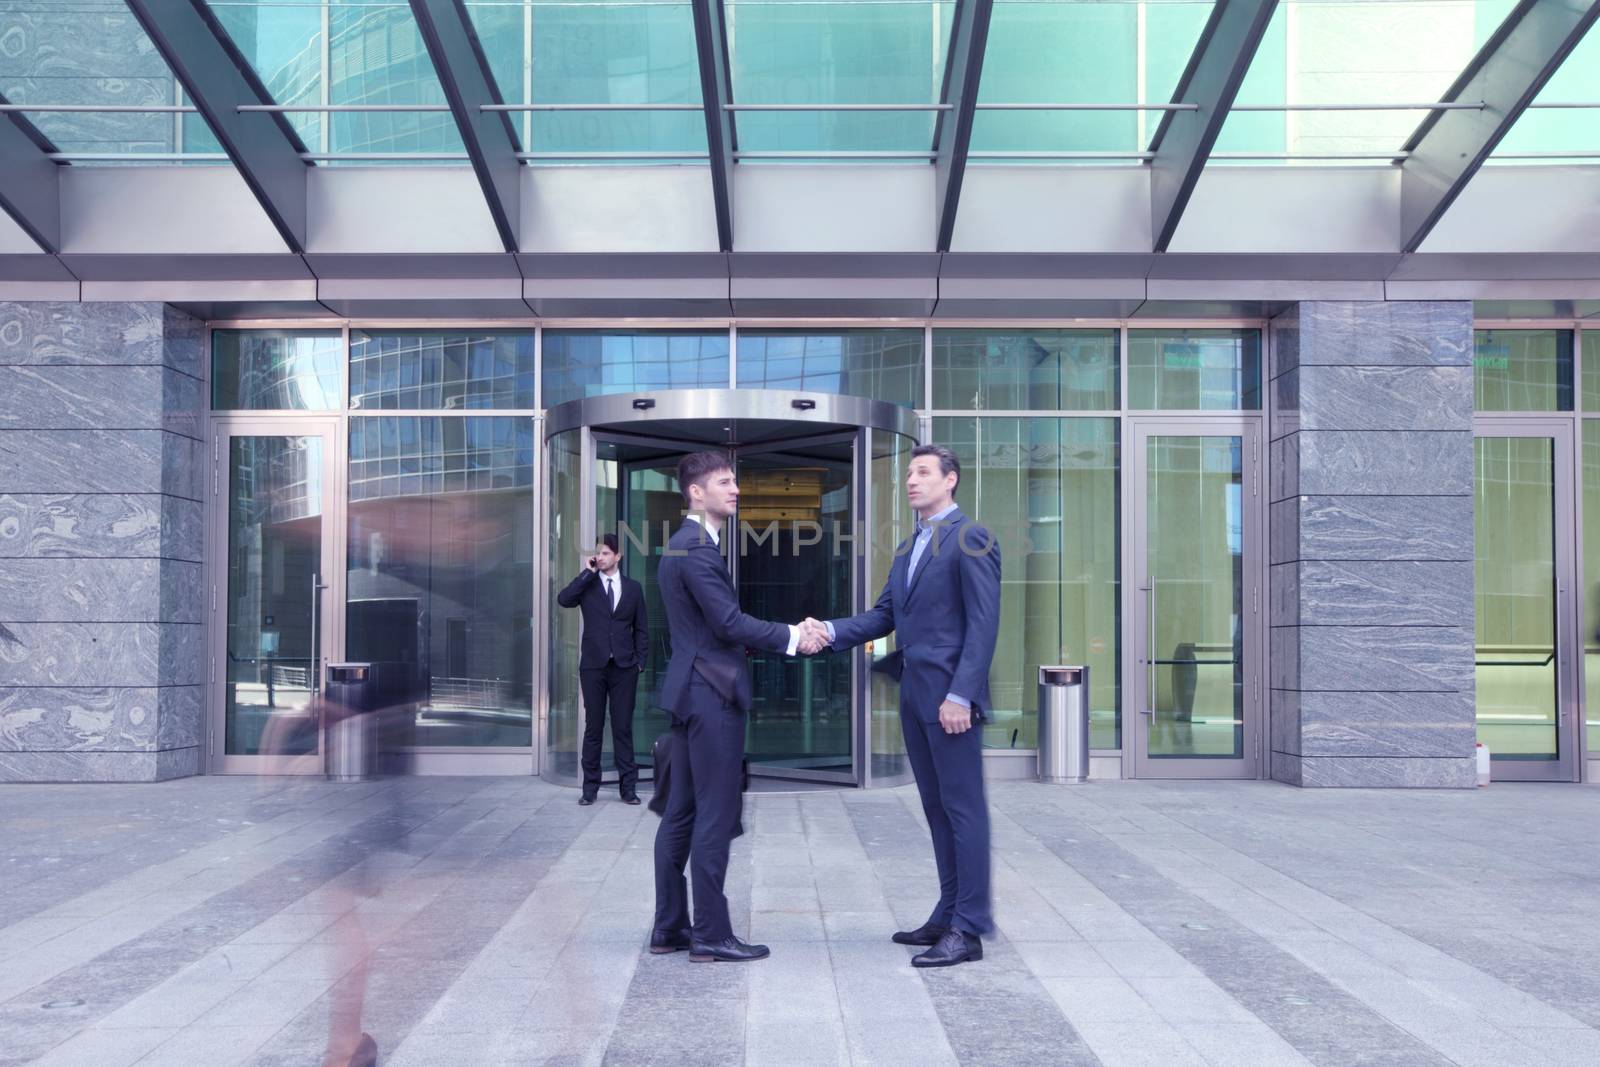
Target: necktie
607,583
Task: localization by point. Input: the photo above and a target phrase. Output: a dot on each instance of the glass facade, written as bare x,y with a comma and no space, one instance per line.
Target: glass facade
427,370
1047,488
881,364
1186,370
1035,370
580,363
1522,370
273,370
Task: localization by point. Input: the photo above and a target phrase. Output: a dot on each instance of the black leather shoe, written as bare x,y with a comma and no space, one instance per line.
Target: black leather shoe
728,950
926,934
631,800
584,802
664,941
953,948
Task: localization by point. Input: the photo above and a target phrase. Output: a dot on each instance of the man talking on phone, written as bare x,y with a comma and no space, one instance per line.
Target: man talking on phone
616,644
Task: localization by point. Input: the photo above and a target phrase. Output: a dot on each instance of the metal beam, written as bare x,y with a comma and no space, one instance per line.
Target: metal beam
1505,75
218,79
30,181
952,133
716,90
1184,139
469,86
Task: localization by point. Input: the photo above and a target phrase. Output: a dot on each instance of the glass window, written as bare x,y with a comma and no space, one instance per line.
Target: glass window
1017,370
1522,370
1082,53
580,363
283,42
1591,371
596,52
440,576
783,52
1194,369
426,370
1354,52
1048,490
376,56
266,370
881,364
1560,130
91,52
1591,569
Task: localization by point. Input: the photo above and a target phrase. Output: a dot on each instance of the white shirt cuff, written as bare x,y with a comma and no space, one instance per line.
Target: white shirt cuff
794,640
963,701
829,627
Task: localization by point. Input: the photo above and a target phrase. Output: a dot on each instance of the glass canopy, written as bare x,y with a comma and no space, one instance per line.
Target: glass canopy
597,81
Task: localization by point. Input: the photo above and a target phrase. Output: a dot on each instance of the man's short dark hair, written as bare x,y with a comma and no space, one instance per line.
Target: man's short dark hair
610,541
947,461
696,467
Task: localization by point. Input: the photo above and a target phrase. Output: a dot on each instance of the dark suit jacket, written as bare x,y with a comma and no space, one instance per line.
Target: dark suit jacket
623,634
946,619
709,633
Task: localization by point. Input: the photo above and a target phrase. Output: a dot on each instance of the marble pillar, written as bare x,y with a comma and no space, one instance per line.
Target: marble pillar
1371,585
101,458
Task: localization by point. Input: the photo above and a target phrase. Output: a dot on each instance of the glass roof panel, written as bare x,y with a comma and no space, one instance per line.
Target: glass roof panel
93,53
1082,52
577,52
1322,53
1557,134
284,44
833,52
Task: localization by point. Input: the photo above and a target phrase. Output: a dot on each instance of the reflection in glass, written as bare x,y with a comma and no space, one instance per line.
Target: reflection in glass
1194,555
891,524
440,574
1016,370
796,550
376,56
1048,490
1522,370
651,508
276,370
284,45
837,53
1082,53
564,721
881,364
1353,52
1194,369
89,52
580,363
1560,130
1514,594
1591,569
274,560
432,369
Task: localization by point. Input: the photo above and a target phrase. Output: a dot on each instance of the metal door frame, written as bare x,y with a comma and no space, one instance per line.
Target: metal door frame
331,428
1564,446
1137,431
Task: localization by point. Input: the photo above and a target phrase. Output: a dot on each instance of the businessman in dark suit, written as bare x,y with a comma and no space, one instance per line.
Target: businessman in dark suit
616,644
942,601
707,692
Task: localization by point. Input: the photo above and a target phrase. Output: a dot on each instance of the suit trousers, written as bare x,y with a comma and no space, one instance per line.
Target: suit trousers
702,814
618,687
949,773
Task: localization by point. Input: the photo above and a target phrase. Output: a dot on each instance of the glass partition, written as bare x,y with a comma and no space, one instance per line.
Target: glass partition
891,524
1591,592
440,574
881,364
276,370
1048,490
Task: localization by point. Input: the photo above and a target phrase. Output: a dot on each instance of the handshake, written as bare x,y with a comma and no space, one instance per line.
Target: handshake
813,637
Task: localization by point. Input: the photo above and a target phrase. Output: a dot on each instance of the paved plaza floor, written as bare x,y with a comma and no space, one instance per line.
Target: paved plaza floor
216,921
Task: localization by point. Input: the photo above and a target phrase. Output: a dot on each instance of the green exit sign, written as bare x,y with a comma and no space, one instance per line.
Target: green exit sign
1180,360
1492,362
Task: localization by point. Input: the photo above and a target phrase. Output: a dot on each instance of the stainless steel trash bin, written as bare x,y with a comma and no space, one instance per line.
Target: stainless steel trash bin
349,723
1063,724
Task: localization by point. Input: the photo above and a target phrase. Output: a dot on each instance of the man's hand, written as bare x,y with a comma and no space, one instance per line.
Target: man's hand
815,628
954,718
810,642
